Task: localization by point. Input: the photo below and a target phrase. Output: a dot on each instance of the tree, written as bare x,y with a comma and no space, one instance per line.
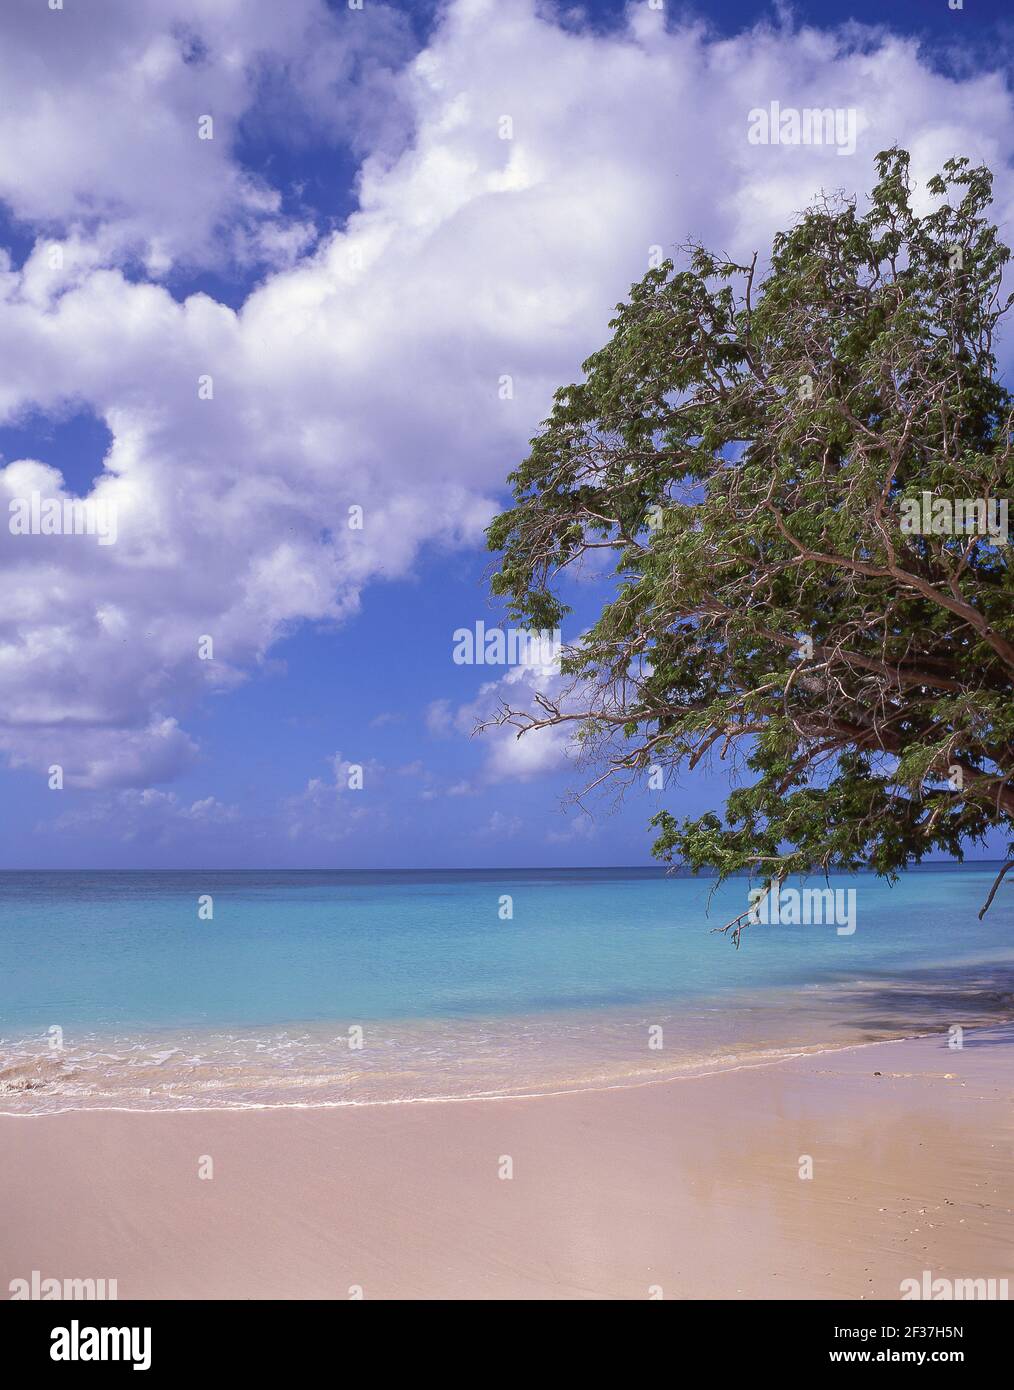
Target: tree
804,480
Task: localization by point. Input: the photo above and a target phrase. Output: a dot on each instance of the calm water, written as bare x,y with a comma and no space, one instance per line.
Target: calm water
113,990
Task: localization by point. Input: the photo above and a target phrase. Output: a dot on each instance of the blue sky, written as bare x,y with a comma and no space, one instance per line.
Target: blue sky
356,259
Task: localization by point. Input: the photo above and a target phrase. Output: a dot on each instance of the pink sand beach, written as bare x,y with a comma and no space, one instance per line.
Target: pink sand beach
679,1189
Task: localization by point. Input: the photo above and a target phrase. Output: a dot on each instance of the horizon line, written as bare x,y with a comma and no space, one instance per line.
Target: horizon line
482,869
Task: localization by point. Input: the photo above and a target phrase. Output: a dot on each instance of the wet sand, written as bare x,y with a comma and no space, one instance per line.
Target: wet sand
680,1189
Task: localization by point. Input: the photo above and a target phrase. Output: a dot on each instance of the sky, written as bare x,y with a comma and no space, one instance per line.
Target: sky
264,273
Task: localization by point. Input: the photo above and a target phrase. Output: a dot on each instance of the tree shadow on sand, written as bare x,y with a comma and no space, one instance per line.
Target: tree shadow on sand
938,998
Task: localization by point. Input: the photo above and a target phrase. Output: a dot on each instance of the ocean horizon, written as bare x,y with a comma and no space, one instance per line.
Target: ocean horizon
181,989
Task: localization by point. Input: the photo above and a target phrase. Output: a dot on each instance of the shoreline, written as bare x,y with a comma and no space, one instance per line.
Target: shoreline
669,1078
695,1190
569,1075
315,1064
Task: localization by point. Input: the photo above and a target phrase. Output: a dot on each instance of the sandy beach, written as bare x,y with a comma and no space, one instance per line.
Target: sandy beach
680,1189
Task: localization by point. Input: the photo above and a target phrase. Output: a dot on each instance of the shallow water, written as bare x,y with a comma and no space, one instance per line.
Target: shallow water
113,992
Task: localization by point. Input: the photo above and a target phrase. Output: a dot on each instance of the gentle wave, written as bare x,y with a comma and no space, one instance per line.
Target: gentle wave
419,1061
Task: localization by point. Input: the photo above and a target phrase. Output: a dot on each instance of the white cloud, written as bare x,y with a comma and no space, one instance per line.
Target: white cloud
386,717
506,756
580,827
331,809
500,827
158,816
439,718
102,104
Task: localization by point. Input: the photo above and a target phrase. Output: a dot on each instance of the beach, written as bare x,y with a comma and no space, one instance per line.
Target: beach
678,1189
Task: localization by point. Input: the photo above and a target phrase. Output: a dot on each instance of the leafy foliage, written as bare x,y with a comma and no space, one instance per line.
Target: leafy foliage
745,448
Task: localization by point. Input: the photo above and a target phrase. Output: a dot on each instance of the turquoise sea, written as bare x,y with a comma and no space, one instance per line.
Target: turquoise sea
345,987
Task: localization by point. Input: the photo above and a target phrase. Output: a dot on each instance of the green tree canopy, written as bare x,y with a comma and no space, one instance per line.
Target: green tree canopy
762,453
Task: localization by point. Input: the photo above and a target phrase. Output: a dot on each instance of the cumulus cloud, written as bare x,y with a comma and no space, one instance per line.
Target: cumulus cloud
439,718
157,816
101,126
399,365
580,827
500,827
331,808
506,756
